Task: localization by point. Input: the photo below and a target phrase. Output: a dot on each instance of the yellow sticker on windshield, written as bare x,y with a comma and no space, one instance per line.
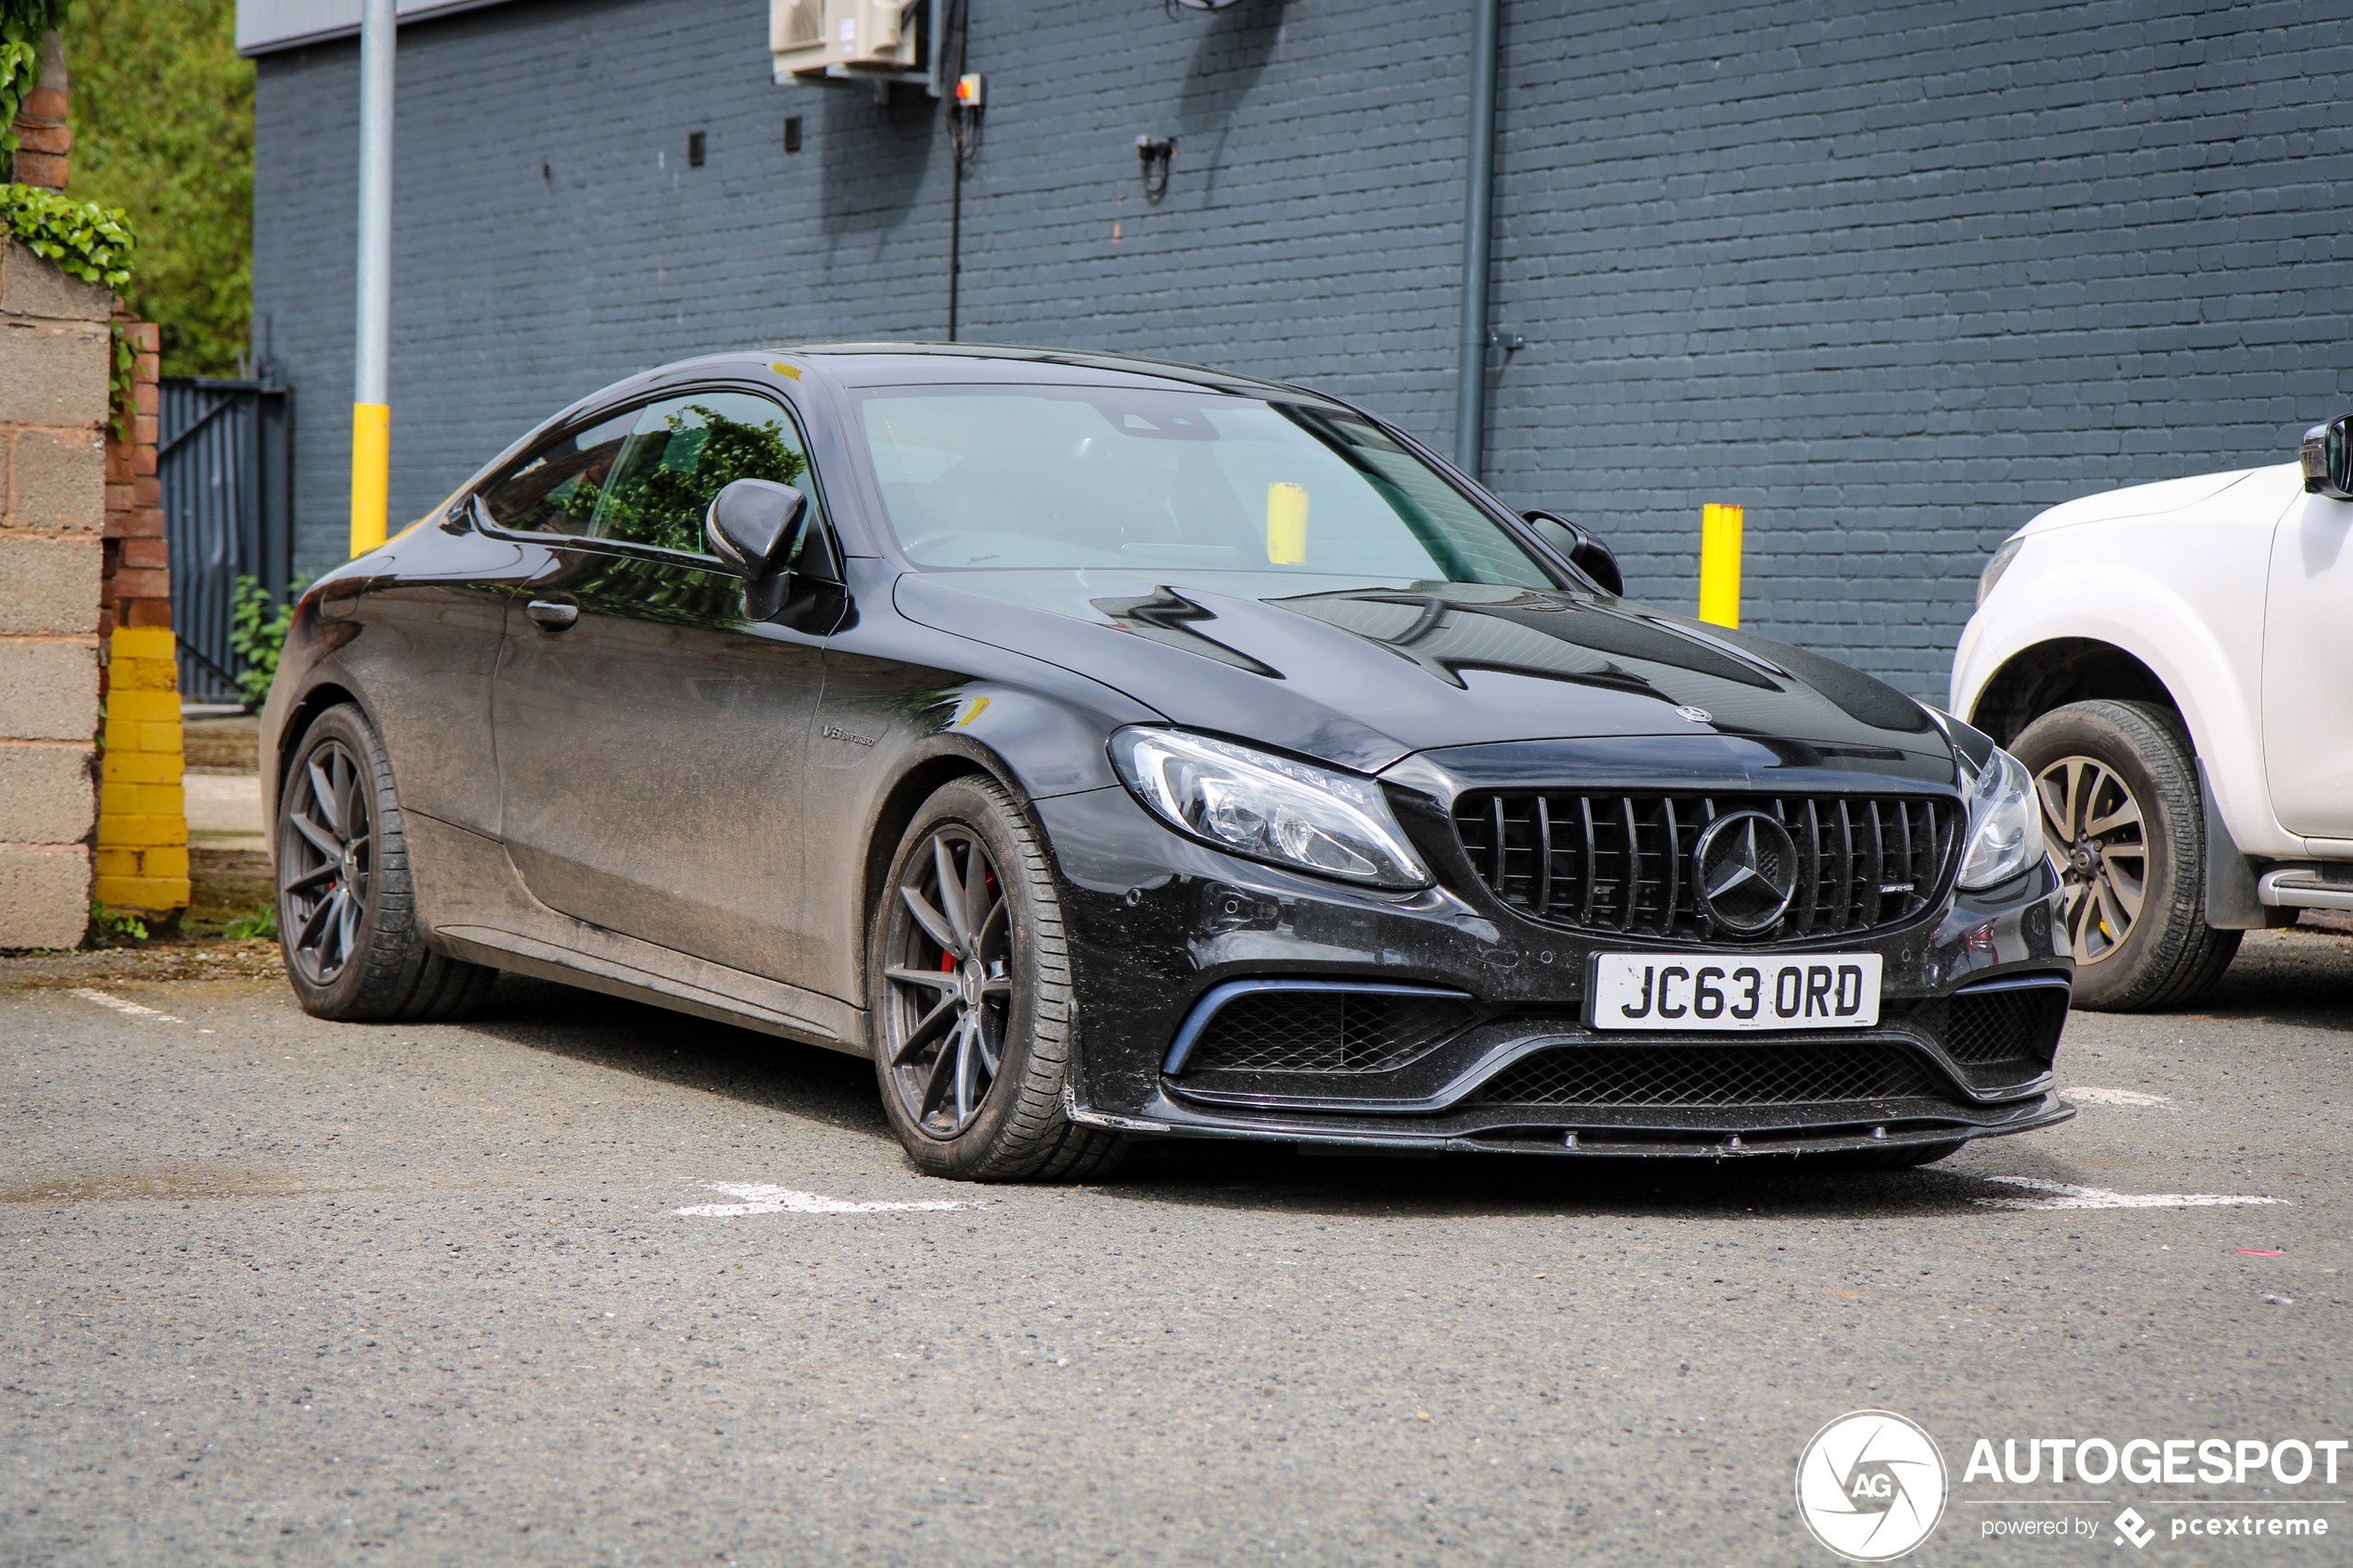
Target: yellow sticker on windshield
1286,524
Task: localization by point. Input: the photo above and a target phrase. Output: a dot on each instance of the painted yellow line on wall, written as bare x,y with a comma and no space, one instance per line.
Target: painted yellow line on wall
371,470
1719,564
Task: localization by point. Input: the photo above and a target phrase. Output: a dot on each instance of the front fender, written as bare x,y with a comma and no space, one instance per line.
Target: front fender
2210,665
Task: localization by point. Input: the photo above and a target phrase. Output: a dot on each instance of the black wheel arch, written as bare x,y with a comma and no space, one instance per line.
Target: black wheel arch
2051,674
303,712
923,772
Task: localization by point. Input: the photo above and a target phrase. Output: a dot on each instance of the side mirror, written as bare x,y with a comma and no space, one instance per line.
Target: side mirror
2328,459
752,525
1588,554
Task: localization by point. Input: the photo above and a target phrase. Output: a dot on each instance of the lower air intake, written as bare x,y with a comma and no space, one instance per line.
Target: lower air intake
1985,1027
1323,1032
1699,1075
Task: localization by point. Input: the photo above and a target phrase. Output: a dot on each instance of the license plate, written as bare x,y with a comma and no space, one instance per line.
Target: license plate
1687,992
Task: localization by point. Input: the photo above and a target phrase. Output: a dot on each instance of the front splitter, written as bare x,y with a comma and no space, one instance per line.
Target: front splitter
1652,1132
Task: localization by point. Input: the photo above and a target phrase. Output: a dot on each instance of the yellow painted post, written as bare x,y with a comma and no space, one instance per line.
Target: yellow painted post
142,860
370,468
1719,564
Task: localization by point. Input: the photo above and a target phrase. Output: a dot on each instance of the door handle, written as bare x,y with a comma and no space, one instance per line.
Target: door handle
552,615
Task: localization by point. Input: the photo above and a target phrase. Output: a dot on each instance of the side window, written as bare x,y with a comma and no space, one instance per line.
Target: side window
682,453
555,490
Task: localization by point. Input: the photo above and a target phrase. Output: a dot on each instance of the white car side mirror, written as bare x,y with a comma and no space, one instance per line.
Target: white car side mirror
2328,459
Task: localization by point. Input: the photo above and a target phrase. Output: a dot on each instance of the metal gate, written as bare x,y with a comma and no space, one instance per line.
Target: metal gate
224,455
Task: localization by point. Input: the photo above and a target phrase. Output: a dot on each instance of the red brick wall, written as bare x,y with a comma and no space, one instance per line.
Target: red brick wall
44,139
136,583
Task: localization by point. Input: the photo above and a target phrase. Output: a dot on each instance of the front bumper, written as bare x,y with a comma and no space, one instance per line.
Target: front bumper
1157,925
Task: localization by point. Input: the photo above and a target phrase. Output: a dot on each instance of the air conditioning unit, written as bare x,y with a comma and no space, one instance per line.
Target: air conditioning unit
817,39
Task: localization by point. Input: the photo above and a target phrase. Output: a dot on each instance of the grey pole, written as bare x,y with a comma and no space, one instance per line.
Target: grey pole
1478,205
371,398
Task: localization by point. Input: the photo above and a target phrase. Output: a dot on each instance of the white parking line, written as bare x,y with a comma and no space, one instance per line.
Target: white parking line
760,1198
121,1006
2087,1095
2059,1194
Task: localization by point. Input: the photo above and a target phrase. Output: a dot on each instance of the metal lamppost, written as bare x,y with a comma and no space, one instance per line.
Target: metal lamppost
370,405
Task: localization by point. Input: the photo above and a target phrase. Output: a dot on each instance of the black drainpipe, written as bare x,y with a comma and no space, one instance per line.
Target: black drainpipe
1478,205
961,128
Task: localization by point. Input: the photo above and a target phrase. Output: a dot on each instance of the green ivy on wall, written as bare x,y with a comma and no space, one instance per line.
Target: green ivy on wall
22,23
90,243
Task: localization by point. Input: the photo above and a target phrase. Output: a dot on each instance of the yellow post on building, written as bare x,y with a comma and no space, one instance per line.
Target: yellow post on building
370,402
371,473
1719,564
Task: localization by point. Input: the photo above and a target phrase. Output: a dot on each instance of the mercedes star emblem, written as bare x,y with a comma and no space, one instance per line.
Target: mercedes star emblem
1696,715
1745,865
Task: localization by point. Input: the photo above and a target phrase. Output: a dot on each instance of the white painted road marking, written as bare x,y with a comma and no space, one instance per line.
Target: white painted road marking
2059,1194
760,1198
2113,1096
119,1005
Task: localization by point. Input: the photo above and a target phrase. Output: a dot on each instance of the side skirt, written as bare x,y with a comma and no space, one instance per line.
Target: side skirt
474,906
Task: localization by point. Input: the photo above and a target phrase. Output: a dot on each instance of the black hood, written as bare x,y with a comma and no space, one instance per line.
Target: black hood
1361,676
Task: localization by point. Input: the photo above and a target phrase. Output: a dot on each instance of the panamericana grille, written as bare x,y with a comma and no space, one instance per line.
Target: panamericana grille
1729,1074
1323,1032
2023,1024
1622,862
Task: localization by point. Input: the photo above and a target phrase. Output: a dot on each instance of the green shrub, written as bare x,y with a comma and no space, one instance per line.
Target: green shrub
258,632
110,925
163,129
262,922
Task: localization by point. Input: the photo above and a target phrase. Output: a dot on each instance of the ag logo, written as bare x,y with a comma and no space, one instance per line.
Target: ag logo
1871,1485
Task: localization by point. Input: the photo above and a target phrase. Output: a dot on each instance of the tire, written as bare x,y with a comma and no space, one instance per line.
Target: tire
2126,769
346,907
972,997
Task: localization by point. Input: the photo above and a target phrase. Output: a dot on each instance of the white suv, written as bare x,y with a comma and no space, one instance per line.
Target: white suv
2174,665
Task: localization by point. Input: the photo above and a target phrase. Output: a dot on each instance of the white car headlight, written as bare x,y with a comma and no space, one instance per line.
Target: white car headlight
2005,821
1268,807
1995,567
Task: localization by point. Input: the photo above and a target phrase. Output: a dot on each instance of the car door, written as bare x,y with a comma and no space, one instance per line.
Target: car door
650,735
2308,675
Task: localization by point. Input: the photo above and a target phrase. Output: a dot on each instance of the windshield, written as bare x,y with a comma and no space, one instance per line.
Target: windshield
998,477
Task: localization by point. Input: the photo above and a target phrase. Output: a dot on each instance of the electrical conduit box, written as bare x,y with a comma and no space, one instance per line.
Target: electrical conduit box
844,39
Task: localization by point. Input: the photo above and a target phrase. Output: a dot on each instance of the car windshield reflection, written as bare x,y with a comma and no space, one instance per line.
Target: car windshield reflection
1066,478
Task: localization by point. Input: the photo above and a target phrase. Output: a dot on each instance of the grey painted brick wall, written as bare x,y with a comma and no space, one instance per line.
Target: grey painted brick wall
1894,277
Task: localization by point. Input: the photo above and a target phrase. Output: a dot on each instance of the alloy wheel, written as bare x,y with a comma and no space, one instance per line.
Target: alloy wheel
325,858
2094,824
950,973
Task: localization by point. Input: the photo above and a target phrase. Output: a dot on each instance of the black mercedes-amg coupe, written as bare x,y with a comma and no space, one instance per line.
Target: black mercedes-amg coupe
1110,749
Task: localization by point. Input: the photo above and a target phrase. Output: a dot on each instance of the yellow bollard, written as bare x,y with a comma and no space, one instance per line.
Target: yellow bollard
371,467
1719,564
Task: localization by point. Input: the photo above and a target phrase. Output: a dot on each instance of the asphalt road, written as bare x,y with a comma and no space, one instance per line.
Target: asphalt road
277,1290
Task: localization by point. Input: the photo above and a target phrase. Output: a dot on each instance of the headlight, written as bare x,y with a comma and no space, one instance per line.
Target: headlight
2005,822
1268,807
1998,565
